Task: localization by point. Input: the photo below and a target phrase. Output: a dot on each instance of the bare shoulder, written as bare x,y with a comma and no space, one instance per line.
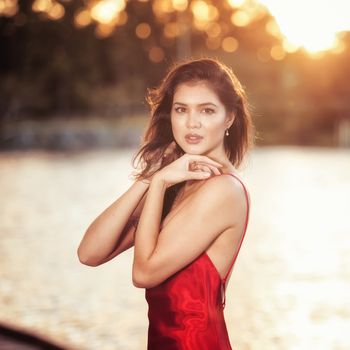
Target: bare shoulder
220,197
223,187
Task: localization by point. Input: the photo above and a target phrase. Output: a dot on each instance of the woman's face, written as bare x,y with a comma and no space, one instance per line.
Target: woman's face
197,110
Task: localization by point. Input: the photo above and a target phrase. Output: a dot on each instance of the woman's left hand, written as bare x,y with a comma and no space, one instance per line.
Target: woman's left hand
188,167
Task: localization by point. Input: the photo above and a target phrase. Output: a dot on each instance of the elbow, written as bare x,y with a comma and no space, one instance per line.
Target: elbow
85,260
139,281
142,279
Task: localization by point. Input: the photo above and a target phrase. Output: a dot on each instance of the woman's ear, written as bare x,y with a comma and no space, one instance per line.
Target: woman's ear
230,120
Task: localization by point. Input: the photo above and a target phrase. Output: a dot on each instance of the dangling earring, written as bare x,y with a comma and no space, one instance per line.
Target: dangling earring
226,132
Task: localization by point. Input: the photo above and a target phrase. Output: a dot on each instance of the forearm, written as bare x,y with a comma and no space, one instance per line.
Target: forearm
104,233
147,232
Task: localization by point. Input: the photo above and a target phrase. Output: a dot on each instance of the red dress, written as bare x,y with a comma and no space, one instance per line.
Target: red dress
185,311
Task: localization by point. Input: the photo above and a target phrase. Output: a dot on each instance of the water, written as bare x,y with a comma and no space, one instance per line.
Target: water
290,284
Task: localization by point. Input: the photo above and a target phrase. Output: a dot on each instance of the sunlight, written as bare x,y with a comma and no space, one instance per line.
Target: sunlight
312,24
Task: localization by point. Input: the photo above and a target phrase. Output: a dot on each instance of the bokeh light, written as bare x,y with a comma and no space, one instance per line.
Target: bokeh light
213,30
161,7
278,53
230,44
8,7
203,13
53,9
171,30
240,18
213,43
180,5
236,3
106,11
143,30
156,54
310,25
82,18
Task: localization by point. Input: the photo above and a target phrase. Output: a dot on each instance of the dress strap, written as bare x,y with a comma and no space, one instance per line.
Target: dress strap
244,231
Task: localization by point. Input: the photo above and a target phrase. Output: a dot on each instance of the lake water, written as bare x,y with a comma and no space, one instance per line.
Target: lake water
289,288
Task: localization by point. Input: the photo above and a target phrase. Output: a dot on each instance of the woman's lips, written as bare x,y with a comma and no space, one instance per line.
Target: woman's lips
193,139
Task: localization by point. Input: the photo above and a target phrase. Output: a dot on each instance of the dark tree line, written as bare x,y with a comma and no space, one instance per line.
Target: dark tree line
51,67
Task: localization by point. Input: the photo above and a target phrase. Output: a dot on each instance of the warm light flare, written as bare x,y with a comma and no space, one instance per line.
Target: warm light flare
277,53
339,47
200,10
236,3
106,11
213,30
229,44
311,24
161,7
288,47
240,18
56,11
103,30
8,7
203,13
180,5
143,30
53,9
156,54
171,30
82,18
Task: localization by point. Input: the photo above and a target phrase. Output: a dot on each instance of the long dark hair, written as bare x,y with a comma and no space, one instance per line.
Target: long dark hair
158,134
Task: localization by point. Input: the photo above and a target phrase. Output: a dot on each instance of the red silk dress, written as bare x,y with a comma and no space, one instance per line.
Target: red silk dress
185,311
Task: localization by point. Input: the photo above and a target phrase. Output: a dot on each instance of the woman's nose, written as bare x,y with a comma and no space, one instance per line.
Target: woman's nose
193,119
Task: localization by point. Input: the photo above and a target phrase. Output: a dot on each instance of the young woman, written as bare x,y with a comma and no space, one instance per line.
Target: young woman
187,212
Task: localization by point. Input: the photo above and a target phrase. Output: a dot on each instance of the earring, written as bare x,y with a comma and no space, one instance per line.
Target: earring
226,132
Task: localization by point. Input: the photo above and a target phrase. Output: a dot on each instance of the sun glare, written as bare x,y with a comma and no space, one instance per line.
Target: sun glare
311,24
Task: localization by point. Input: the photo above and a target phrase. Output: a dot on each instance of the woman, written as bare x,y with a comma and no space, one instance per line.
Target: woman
184,215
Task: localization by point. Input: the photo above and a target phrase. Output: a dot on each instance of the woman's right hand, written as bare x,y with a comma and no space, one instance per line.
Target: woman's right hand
188,167
169,151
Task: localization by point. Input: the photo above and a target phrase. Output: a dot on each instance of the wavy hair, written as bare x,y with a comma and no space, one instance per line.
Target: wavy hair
158,134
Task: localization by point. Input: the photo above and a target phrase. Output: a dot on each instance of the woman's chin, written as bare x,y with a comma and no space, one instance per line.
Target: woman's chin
193,150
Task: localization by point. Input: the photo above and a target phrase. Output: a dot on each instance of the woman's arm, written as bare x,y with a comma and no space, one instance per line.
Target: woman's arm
215,207
112,232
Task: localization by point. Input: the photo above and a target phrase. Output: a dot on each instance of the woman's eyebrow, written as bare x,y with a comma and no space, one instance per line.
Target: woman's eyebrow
201,104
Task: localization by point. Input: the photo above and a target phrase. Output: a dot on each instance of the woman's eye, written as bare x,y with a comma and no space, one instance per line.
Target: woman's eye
209,111
179,109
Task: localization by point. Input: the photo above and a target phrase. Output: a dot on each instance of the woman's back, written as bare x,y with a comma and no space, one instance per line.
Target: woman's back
186,310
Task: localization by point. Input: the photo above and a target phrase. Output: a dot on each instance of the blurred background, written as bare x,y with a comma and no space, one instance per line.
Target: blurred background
73,78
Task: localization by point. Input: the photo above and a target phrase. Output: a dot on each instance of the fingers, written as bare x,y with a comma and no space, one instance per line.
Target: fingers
205,167
204,163
170,149
215,170
201,158
199,175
